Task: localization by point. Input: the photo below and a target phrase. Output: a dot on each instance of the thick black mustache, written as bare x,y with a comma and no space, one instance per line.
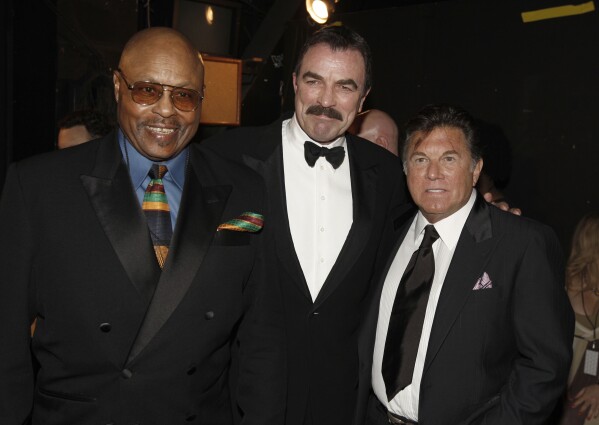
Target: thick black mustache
321,110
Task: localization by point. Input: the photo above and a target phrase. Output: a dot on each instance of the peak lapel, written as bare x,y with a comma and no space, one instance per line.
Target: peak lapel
473,251
199,215
111,194
270,167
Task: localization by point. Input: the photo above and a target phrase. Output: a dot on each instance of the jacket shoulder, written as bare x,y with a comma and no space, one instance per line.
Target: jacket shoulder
522,227
369,151
65,162
244,140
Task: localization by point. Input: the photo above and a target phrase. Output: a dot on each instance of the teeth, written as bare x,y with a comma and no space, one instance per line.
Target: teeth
435,190
162,130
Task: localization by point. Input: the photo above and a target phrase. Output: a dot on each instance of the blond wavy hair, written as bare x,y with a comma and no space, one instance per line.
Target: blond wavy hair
582,270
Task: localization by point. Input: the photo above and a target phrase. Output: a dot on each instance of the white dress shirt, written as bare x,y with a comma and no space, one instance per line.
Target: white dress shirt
405,403
319,205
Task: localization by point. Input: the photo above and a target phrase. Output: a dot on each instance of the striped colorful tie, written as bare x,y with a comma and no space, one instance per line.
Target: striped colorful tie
158,216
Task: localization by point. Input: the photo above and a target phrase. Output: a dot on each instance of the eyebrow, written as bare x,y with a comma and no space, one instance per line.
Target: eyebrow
348,82
310,74
345,82
442,155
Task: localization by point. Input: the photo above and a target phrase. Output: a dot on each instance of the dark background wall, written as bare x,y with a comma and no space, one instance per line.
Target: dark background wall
29,77
536,83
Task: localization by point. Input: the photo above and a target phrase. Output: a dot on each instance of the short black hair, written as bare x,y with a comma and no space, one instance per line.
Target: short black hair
442,115
339,38
96,123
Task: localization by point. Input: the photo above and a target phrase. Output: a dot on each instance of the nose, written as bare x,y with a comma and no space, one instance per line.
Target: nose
164,106
433,171
327,97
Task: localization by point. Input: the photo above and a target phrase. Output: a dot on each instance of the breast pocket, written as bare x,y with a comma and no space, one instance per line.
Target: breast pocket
231,238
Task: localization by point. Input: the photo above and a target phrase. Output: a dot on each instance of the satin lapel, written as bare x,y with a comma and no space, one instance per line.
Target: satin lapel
200,213
363,183
271,169
111,194
474,249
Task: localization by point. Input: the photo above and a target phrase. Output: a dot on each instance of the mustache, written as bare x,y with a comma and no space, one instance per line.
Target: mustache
158,123
327,112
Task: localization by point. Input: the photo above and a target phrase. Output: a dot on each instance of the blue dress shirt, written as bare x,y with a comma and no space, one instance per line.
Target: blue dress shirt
139,166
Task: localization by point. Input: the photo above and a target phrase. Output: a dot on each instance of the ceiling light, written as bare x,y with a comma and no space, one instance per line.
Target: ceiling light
209,15
318,10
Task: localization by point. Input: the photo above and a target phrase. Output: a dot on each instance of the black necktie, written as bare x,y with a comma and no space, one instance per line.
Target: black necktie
312,152
407,316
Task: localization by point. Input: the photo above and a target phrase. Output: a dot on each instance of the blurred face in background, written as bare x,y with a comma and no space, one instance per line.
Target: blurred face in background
73,136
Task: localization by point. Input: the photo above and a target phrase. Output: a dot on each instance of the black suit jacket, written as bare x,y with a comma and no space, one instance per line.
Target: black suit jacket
321,336
495,356
117,339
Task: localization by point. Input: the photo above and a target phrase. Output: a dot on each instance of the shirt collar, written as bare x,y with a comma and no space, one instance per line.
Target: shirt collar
450,228
297,136
139,165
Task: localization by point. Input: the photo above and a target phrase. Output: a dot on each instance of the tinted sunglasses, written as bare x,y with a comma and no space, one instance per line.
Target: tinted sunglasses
148,93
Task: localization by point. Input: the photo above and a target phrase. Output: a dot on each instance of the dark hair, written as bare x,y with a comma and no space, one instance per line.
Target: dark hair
442,115
96,123
339,38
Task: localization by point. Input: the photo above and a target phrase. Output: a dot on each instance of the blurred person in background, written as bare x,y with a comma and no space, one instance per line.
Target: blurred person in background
82,126
581,405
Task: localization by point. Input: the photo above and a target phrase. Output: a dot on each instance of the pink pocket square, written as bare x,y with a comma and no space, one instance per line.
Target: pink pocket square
483,282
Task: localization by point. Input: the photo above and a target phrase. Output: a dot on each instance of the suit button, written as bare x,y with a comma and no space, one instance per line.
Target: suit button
191,370
105,327
209,315
126,373
190,418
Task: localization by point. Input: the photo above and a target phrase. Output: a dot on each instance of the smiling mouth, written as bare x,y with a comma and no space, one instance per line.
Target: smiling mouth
435,190
161,130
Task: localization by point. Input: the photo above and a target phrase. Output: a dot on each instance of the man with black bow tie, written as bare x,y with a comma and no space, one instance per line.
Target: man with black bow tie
329,194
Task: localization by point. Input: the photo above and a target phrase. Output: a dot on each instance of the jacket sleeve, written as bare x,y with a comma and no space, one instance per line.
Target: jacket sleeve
16,310
544,325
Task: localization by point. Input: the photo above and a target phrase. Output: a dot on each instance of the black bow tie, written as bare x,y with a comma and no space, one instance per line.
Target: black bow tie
312,152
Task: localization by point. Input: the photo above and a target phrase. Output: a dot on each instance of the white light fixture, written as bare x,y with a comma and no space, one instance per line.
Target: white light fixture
318,10
209,15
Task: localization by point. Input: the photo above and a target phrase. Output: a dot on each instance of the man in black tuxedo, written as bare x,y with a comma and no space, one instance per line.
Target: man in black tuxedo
470,323
327,214
135,324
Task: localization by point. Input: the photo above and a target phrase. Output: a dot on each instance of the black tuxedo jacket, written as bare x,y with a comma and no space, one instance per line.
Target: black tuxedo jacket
118,341
322,356
499,355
